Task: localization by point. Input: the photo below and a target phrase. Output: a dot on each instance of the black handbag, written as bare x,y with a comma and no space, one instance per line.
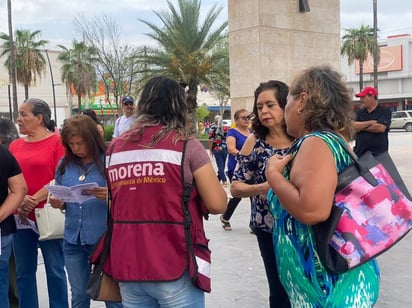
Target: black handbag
371,213
101,286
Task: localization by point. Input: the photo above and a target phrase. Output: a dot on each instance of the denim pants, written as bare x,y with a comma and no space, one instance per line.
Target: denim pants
220,157
76,257
6,246
25,252
180,293
278,297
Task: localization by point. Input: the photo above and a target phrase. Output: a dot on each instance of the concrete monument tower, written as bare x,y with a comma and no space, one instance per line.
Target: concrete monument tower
274,39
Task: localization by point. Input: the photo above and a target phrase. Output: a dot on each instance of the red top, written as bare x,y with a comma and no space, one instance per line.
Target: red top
38,161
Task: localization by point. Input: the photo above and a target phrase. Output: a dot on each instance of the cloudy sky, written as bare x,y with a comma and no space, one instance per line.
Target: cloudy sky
55,18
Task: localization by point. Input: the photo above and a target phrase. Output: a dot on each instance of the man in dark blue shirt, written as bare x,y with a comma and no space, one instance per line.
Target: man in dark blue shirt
371,124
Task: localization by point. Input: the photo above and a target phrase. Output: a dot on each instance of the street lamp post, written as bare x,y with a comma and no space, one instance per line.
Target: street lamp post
375,42
52,81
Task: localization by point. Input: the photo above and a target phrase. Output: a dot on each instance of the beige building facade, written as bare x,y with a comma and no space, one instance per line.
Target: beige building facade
42,89
394,72
273,39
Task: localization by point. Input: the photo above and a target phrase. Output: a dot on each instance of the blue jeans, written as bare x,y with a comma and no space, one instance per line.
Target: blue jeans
26,253
76,257
180,293
278,297
220,157
6,246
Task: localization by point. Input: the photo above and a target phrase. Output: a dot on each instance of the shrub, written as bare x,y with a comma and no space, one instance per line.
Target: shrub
108,132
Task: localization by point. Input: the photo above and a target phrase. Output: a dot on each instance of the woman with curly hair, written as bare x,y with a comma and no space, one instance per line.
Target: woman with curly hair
318,108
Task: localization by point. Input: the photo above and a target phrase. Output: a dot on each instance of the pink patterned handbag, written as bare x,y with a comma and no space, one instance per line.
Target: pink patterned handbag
372,212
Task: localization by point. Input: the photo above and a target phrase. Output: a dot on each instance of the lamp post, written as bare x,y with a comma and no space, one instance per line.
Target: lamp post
9,94
375,43
52,81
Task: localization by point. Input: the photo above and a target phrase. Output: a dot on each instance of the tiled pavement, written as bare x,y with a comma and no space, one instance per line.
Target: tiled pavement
238,278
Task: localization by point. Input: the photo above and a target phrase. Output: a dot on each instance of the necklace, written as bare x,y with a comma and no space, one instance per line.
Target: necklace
84,172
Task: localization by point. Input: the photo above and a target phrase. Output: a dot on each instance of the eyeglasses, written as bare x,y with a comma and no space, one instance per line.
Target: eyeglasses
244,118
128,104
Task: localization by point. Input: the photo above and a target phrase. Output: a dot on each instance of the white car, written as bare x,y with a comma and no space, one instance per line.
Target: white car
402,119
227,124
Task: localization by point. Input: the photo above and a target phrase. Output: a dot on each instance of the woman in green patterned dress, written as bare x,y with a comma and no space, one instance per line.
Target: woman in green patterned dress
304,184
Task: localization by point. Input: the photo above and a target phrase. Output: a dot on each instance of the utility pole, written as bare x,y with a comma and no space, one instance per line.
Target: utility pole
52,81
12,68
376,47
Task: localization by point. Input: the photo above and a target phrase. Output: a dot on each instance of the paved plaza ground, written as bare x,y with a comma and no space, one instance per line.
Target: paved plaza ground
238,278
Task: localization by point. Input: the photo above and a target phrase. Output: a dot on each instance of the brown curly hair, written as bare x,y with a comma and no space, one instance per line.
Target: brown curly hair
329,105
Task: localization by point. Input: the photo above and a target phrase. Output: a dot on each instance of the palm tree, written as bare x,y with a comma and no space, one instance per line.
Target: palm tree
189,50
78,70
357,45
30,61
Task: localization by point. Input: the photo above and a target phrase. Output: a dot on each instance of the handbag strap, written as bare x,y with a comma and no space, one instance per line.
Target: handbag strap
109,230
363,169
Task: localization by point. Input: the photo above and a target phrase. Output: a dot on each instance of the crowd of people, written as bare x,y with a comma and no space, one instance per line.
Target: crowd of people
155,184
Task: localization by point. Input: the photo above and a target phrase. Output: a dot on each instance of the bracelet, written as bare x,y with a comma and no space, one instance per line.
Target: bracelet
63,208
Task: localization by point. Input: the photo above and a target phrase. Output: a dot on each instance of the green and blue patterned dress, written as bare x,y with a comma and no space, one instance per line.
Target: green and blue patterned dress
301,272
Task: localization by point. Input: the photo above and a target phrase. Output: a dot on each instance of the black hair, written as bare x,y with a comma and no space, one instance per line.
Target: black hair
280,90
8,131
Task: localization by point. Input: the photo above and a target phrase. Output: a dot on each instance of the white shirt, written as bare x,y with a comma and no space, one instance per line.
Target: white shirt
123,124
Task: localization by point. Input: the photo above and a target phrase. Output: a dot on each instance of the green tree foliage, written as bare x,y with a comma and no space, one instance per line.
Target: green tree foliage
357,45
202,112
117,65
108,132
78,69
188,49
30,61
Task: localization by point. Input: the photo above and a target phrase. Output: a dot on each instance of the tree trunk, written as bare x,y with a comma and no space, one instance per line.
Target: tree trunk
12,62
26,91
360,75
192,95
79,101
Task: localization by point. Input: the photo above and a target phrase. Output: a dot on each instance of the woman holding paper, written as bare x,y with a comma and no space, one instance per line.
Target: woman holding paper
86,221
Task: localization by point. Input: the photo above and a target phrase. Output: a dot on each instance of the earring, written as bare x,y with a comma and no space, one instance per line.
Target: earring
300,111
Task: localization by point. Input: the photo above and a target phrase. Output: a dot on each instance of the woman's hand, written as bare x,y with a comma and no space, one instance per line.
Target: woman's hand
99,192
277,163
56,203
29,204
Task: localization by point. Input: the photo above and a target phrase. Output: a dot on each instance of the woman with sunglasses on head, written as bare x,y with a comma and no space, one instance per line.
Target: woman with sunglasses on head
269,138
235,139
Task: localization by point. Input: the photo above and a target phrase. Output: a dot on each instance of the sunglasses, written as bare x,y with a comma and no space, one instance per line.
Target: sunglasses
244,118
128,104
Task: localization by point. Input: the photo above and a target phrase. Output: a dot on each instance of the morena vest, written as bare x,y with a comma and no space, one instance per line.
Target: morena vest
158,233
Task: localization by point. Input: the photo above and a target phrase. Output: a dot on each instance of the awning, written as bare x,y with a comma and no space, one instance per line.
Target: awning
217,108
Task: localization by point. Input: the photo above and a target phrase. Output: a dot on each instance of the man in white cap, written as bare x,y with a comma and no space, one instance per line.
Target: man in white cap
371,124
127,119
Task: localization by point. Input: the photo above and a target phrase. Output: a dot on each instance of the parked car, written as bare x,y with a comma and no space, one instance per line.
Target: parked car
227,124
402,119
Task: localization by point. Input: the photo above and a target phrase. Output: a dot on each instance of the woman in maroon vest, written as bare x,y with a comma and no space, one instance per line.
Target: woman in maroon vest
159,251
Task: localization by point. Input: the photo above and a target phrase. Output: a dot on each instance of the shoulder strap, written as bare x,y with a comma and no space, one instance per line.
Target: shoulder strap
109,230
187,189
